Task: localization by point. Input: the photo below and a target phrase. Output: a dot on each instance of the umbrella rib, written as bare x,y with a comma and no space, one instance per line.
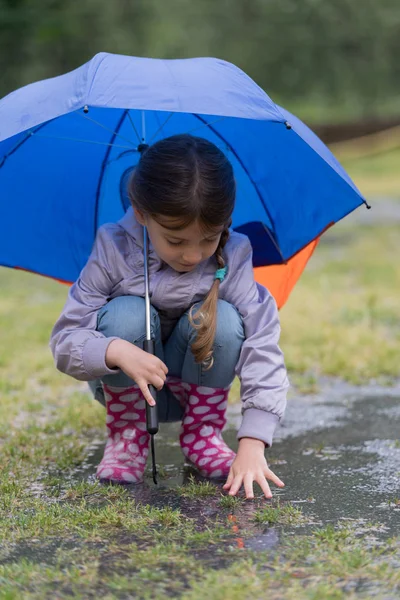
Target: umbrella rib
133,126
208,125
161,126
68,139
115,133
103,166
17,145
248,175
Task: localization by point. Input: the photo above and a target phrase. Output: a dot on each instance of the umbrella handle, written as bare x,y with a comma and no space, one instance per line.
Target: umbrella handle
151,411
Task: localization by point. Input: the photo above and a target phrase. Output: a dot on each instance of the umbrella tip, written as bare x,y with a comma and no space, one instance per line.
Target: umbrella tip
288,125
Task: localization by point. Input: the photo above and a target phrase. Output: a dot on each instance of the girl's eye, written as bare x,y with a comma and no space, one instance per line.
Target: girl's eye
174,243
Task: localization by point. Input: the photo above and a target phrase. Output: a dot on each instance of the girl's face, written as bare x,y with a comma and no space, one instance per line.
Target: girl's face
181,249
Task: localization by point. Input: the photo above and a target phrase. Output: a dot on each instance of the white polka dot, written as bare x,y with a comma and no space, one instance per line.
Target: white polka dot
193,400
109,419
140,459
140,404
187,420
210,451
128,434
206,431
222,406
121,423
194,457
106,472
229,462
143,439
217,441
186,386
205,390
117,407
120,446
185,450
134,448
207,418
220,422
200,410
175,388
141,426
216,473
199,445
145,452
216,463
124,456
117,437
215,399
189,438
131,416
204,461
128,476
130,397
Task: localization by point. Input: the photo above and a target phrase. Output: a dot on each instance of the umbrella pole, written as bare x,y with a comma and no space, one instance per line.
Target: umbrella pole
148,346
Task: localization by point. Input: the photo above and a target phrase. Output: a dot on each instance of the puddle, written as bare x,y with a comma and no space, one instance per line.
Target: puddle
338,453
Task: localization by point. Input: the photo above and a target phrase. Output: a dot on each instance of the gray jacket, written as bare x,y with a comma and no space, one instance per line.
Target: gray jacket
115,268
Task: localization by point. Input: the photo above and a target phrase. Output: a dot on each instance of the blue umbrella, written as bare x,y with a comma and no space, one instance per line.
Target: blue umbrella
68,145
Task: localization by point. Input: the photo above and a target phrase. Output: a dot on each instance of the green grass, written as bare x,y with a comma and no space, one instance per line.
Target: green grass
377,175
195,489
287,514
342,318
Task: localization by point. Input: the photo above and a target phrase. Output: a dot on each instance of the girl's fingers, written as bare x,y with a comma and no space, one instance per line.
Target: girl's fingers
144,388
236,485
248,486
228,483
164,367
157,382
274,478
262,482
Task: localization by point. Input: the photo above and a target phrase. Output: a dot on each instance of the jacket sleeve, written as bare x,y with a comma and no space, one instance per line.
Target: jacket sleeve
260,368
78,349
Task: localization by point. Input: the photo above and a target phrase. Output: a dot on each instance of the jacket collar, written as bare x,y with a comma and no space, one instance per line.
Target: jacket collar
131,226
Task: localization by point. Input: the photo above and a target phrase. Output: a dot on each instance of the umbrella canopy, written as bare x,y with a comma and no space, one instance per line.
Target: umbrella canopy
68,145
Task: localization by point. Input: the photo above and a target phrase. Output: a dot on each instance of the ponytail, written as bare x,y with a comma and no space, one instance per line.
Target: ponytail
205,319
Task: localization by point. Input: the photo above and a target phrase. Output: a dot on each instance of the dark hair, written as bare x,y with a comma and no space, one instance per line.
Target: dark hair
189,179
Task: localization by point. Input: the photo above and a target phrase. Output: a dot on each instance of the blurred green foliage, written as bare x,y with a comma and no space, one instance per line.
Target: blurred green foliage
340,54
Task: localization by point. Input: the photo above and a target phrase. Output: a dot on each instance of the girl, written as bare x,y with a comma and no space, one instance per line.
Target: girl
210,321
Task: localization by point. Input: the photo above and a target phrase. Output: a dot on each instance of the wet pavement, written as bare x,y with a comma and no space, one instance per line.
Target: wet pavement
338,453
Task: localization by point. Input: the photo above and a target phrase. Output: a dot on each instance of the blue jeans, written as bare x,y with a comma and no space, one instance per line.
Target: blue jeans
124,317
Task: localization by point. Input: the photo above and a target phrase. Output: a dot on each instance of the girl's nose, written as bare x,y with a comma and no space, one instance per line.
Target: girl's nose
192,258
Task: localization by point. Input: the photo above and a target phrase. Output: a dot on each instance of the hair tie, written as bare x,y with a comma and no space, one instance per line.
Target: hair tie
220,273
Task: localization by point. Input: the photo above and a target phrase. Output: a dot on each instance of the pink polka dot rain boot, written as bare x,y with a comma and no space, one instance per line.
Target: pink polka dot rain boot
176,386
127,446
200,438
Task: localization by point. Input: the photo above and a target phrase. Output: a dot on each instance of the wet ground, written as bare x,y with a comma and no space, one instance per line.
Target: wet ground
338,453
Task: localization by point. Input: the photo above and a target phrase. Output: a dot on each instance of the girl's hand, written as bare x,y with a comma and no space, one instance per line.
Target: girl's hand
142,367
250,465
